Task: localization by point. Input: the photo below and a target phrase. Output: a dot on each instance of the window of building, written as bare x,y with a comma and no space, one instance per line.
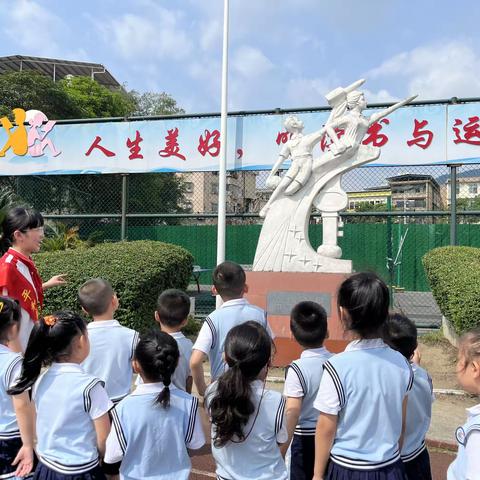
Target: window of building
214,189
214,207
473,188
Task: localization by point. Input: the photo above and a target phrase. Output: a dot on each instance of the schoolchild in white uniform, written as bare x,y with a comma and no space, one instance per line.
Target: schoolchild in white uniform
111,344
308,323
363,393
228,282
467,464
401,335
248,421
173,307
16,437
72,406
154,426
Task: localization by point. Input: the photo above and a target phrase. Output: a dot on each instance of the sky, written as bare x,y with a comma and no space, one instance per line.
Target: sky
282,53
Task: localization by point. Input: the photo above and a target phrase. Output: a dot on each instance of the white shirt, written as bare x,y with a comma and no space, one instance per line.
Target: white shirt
467,464
293,387
327,400
205,338
114,452
182,372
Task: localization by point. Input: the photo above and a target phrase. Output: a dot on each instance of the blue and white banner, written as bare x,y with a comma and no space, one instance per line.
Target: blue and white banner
412,135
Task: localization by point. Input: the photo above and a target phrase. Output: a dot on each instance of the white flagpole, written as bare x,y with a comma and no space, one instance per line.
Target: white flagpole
222,173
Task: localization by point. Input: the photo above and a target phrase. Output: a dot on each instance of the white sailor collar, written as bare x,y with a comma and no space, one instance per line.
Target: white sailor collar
65,367
149,388
366,344
473,411
103,323
314,352
177,335
235,301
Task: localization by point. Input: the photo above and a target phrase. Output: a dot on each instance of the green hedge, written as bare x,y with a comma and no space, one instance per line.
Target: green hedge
454,276
138,271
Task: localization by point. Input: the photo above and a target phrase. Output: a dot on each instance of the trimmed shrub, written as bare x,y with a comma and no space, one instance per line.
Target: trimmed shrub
138,272
454,276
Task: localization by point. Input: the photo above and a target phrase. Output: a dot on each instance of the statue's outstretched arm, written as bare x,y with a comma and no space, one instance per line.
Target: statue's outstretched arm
387,111
277,165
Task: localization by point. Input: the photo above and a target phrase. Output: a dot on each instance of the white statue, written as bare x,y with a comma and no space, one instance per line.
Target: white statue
283,244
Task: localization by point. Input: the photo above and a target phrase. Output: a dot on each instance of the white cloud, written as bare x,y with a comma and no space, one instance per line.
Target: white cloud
250,62
158,35
32,28
382,96
302,92
435,70
211,35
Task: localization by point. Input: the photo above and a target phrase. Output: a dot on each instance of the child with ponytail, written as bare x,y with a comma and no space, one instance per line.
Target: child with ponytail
153,427
72,406
248,423
16,437
467,464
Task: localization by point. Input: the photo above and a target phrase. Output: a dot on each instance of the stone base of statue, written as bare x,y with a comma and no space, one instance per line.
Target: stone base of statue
279,292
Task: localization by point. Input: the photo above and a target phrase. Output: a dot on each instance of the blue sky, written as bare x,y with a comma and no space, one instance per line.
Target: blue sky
283,53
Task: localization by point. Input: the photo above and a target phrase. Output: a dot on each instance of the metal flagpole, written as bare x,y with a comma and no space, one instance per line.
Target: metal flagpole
222,173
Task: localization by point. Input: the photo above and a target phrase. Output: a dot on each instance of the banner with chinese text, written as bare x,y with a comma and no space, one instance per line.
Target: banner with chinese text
413,135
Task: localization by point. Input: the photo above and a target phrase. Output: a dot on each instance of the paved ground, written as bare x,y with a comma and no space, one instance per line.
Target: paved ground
448,413
204,468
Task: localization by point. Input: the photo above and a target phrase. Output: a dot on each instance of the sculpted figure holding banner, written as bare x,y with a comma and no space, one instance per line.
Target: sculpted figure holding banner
283,244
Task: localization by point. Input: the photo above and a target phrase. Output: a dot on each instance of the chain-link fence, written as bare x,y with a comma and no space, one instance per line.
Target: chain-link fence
394,216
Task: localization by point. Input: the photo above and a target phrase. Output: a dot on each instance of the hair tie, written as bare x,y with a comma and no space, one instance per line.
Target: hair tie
50,320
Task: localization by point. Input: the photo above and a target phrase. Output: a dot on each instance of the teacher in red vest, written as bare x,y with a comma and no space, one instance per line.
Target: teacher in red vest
22,235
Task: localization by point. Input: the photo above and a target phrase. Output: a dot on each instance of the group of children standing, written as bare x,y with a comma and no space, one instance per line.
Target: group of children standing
360,414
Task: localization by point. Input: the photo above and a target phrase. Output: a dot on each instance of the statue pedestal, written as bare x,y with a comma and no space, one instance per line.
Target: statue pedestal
278,292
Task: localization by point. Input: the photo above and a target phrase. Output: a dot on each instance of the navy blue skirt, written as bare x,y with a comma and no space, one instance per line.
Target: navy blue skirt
8,451
395,471
42,472
419,467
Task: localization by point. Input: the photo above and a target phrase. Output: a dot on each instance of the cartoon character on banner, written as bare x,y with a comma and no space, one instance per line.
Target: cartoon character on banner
32,142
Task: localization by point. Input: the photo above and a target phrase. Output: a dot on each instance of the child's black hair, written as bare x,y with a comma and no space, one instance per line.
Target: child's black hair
157,354
229,279
365,298
308,323
95,296
248,349
18,218
173,307
10,314
401,334
50,341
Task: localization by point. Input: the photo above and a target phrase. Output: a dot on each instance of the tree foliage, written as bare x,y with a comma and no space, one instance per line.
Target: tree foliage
34,91
96,101
151,103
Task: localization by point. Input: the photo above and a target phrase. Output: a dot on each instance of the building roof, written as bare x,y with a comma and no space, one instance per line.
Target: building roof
58,69
409,177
